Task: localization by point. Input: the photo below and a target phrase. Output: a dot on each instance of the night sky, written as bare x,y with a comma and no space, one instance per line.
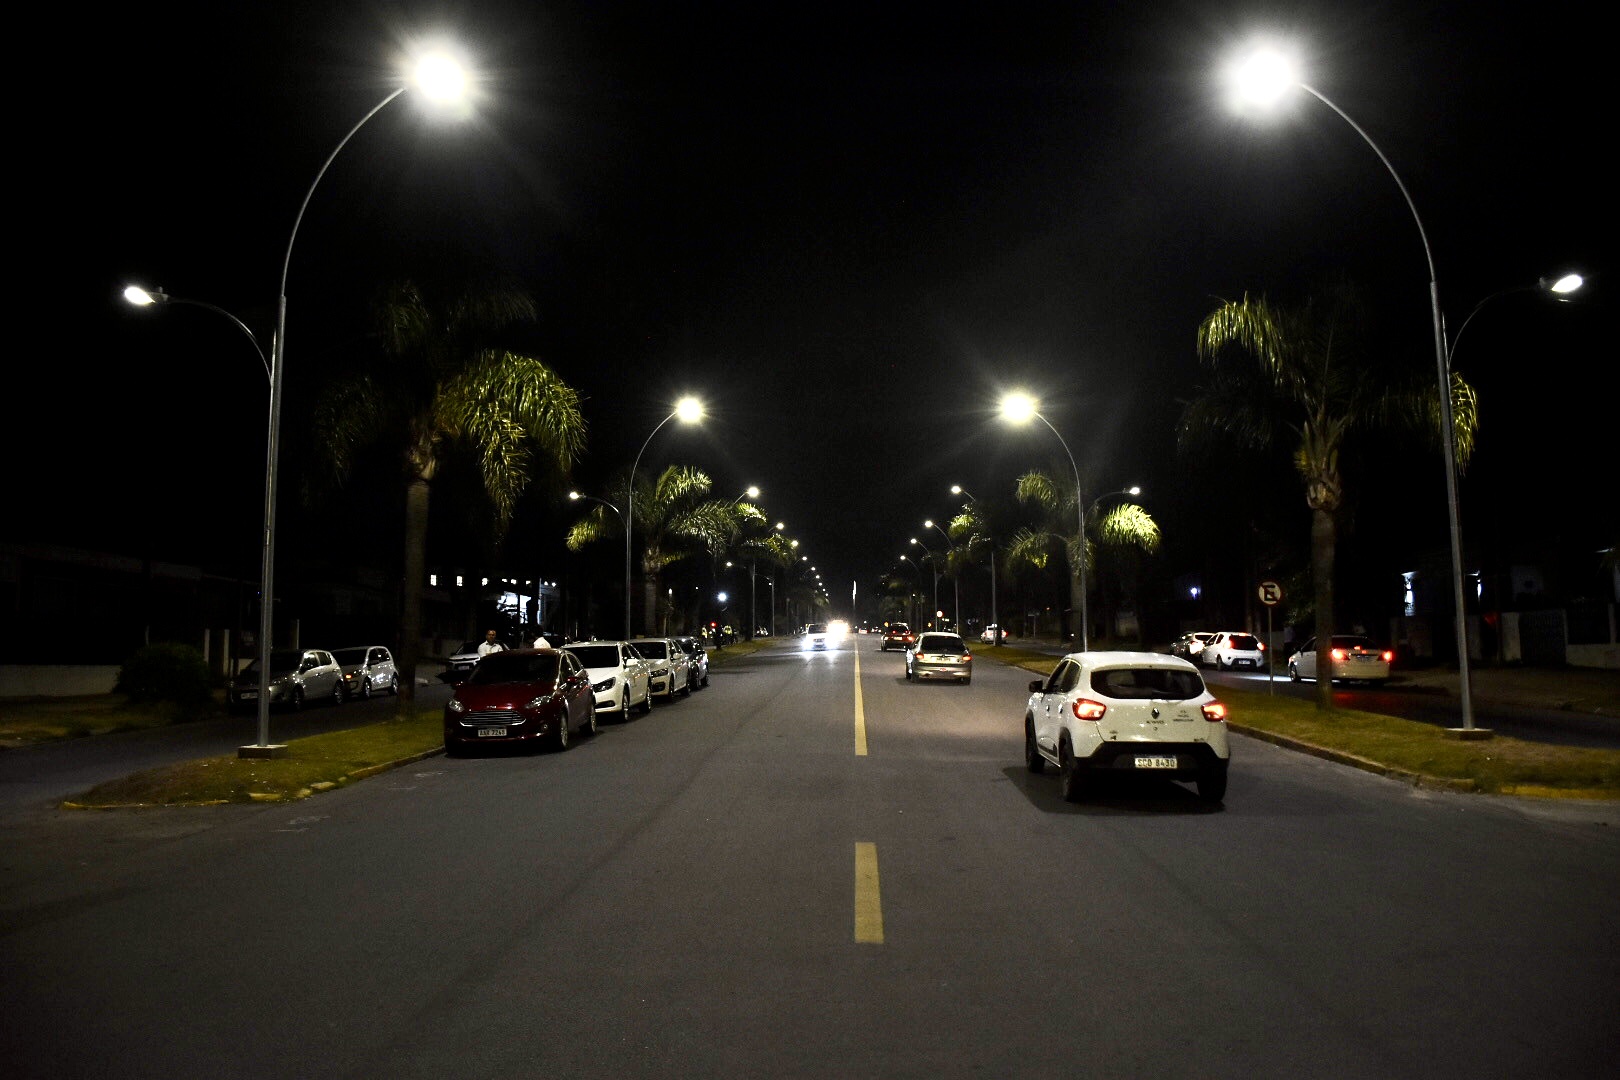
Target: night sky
848,228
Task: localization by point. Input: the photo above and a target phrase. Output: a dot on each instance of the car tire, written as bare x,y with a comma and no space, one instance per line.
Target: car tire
1293,673
1220,665
562,739
966,679
1032,753
590,726
1071,782
686,689
338,696
365,690
295,700
1212,784
393,684
646,703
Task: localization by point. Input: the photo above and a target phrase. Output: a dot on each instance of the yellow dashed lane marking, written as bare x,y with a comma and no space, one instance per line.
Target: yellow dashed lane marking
860,712
868,901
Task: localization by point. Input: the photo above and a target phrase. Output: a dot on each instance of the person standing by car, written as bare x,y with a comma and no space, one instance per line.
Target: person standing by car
491,643
540,641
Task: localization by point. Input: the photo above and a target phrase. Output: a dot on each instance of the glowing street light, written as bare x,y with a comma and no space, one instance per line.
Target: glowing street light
1020,408
688,410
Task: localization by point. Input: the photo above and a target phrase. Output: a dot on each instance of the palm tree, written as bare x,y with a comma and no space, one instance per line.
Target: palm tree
445,388
1302,378
676,519
1126,526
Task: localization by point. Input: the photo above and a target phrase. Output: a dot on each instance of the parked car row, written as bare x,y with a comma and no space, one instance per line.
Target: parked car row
524,697
1355,657
299,677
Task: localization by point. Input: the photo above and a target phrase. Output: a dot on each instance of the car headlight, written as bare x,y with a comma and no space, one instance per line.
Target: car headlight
456,705
603,686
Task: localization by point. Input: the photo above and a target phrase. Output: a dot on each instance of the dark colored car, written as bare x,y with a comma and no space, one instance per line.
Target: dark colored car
897,635
697,668
521,697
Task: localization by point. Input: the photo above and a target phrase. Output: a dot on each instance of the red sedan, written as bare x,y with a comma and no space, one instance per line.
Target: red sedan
521,697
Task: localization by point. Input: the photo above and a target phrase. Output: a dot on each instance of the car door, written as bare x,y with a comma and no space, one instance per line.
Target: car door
635,673
1305,659
1054,698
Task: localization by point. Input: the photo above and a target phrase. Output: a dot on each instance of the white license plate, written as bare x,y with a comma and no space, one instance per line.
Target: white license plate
1155,763
249,695
487,731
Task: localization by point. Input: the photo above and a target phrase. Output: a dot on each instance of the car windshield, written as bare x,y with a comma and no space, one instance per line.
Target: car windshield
899,628
816,628
350,657
941,643
655,650
280,660
597,656
1165,684
516,667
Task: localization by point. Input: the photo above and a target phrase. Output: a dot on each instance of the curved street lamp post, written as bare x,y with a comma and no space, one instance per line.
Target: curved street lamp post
1020,408
995,618
689,410
956,575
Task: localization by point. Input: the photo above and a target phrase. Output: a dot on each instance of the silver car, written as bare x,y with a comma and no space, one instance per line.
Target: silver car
297,677
939,656
367,669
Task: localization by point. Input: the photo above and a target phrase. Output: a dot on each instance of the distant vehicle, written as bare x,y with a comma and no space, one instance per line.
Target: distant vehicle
297,677
938,655
670,665
1231,649
815,636
619,676
520,697
367,669
460,663
987,636
1190,646
1124,714
697,661
1355,659
897,635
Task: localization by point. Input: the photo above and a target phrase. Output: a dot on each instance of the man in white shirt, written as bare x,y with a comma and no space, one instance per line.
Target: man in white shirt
489,644
540,641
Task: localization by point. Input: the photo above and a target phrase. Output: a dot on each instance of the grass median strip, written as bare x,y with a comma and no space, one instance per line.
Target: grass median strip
316,763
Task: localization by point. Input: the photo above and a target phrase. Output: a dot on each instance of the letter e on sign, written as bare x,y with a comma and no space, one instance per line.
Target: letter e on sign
1270,592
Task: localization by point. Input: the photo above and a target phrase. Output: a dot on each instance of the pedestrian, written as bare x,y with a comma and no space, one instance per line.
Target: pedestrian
540,641
491,643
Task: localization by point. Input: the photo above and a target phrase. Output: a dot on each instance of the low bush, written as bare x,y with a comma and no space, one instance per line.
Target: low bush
166,672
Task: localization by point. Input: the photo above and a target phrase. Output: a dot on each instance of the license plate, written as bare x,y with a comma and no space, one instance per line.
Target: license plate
486,731
1155,763
249,695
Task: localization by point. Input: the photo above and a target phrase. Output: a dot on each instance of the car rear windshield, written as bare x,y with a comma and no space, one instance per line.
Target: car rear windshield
1243,641
349,657
1164,684
941,643
653,650
597,656
513,667
1352,642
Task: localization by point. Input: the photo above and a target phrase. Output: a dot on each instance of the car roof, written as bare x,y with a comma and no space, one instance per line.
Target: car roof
1127,658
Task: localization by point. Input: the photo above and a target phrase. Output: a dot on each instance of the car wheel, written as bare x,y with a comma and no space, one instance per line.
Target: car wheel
705,681
563,738
338,696
686,689
1220,664
393,684
1212,784
590,726
1293,673
1071,784
295,700
1032,754
966,679
646,702
365,690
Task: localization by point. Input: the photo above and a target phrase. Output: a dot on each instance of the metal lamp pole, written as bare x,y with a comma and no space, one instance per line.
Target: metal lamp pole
934,566
956,576
1018,408
995,618
689,410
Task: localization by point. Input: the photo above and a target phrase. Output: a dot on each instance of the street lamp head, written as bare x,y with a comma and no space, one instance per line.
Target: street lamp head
928,524
1019,408
440,77
573,495
1561,288
140,297
752,492
1133,491
1259,79
689,410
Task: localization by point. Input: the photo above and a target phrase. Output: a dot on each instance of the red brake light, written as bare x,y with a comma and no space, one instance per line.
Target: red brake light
1338,654
1389,656
1086,709
1214,712
1262,645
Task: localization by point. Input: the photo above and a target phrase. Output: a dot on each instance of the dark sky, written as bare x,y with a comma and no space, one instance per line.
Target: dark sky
847,227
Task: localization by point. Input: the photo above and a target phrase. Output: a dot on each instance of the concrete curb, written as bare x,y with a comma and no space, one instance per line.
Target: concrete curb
1418,780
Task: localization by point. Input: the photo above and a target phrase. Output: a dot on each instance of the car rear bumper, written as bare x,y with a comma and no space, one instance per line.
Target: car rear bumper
942,671
1123,757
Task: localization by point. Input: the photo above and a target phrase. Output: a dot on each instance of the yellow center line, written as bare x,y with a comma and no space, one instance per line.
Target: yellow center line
860,711
868,902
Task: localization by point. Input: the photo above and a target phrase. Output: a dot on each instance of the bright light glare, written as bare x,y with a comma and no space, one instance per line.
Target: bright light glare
1019,407
140,297
441,77
752,493
1563,286
689,410
837,628
1260,78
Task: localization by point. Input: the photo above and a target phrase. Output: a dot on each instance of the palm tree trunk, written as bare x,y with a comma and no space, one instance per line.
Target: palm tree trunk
410,616
1323,538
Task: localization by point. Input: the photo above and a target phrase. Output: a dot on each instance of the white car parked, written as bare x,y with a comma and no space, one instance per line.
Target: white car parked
669,666
1126,713
1355,659
619,676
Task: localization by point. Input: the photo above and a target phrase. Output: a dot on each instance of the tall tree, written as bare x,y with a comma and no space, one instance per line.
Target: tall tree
1126,525
1303,379
445,385
675,518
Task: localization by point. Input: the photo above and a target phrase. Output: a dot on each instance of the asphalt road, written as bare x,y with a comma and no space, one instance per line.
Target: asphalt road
730,887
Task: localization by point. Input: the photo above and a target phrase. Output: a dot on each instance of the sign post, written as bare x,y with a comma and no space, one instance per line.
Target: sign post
1270,592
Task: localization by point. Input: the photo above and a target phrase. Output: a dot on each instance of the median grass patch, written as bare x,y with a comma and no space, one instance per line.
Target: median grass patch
26,721
311,764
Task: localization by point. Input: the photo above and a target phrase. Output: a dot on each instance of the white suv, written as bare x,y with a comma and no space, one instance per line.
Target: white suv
1120,713
1230,649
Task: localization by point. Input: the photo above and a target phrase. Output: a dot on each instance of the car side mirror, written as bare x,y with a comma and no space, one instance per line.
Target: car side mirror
1037,685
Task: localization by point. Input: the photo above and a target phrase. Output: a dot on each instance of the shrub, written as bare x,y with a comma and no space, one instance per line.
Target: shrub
166,672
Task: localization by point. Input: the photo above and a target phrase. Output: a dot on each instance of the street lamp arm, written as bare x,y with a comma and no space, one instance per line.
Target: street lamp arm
139,296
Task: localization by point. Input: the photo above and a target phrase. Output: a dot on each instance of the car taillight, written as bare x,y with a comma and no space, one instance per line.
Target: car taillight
1214,712
1338,654
1086,709
1262,645
1389,656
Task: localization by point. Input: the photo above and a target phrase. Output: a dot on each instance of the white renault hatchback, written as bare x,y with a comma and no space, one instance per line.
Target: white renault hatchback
1126,713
